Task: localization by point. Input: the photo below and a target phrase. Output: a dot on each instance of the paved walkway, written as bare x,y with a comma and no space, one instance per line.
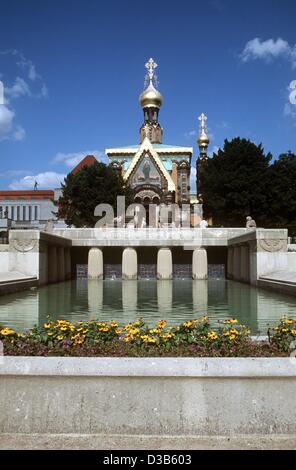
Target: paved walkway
117,442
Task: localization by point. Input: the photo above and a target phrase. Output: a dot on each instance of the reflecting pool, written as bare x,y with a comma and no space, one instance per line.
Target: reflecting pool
124,301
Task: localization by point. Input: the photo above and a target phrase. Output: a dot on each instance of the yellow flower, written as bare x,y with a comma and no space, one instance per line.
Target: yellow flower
50,333
188,324
205,318
114,324
161,324
284,330
72,327
104,328
134,331
293,332
167,336
148,339
230,321
118,331
47,326
79,329
63,328
60,337
155,331
7,331
212,335
232,337
234,331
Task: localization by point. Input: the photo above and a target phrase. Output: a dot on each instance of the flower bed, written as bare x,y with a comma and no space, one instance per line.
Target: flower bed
195,338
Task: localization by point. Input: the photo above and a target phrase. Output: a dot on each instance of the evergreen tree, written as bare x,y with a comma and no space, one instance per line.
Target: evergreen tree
282,191
234,183
84,190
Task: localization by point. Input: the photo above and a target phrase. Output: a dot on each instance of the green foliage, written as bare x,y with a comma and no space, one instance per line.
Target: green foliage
84,190
234,183
137,339
282,192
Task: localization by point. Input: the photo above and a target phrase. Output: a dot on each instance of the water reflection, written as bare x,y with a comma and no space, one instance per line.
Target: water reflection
125,301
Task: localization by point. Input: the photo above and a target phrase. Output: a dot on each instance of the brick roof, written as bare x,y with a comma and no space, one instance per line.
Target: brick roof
27,194
86,161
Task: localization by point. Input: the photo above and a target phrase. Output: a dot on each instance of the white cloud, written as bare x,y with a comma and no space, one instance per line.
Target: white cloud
190,134
269,50
49,179
19,88
73,158
19,134
6,120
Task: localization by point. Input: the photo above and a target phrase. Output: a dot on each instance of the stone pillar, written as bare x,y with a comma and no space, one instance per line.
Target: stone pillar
245,264
199,264
95,264
68,264
164,264
61,263
52,264
230,262
129,264
236,263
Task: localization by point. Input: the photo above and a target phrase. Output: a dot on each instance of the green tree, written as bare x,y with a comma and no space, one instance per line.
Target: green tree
282,193
234,183
84,190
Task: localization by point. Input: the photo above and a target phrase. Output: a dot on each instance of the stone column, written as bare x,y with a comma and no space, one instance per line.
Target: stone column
129,264
245,264
230,262
199,264
52,264
68,264
164,264
236,263
95,264
61,263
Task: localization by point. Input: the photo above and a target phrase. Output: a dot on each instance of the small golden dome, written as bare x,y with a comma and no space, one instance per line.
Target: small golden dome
203,139
150,98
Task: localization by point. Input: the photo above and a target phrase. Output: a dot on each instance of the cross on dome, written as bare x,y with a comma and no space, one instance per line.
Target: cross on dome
151,66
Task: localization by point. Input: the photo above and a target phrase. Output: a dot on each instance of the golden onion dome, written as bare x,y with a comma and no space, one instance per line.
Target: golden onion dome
150,98
203,139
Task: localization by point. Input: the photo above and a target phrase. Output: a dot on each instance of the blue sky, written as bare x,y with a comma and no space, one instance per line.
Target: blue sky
73,70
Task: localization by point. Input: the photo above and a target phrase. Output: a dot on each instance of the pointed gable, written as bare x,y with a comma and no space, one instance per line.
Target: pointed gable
151,166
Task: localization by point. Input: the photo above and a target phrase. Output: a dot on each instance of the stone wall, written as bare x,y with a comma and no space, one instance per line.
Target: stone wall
150,396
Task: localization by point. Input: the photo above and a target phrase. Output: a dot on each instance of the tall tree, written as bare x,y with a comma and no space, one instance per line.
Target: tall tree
84,190
234,183
282,192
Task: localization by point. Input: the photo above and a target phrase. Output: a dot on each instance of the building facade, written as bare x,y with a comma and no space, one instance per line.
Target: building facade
156,171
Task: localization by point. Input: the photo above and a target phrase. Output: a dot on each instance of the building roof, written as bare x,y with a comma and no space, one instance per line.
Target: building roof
27,194
161,148
86,161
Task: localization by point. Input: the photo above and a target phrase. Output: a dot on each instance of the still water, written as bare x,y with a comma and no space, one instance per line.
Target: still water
124,301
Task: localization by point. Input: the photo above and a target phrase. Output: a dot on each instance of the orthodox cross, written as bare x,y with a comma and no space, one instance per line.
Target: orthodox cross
202,118
150,66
